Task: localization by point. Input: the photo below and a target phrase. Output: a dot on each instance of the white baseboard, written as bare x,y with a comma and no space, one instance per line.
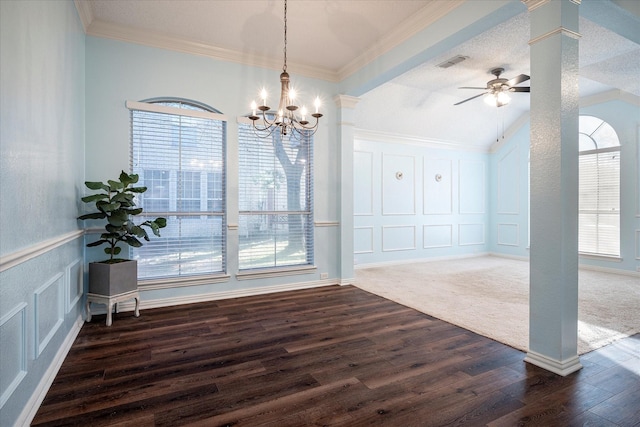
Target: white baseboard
192,299
609,270
32,406
560,367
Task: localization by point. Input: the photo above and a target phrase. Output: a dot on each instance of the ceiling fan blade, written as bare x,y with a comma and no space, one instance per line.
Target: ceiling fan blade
518,79
469,99
520,89
470,87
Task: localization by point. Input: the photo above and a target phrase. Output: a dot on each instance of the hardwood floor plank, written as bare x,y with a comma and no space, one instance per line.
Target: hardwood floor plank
334,356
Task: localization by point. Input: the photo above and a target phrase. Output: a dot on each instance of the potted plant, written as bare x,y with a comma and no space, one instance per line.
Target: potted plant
116,204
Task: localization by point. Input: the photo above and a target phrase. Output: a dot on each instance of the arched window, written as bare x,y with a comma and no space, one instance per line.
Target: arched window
599,194
178,150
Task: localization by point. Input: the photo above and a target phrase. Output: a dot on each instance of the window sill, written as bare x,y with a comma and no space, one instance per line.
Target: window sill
611,258
275,272
177,282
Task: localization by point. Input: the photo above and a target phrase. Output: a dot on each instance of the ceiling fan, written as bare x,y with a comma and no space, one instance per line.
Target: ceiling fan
499,88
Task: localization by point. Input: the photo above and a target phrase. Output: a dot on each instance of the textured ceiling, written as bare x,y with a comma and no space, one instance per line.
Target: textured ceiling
333,38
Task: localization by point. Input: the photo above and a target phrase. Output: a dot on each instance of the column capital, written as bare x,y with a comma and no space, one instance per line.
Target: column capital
533,4
346,101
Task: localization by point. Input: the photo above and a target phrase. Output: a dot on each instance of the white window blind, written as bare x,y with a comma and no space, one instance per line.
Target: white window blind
599,188
176,146
275,200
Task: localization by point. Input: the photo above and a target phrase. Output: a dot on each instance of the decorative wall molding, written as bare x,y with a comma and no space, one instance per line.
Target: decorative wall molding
388,238
561,30
443,228
359,237
48,312
15,319
511,176
346,101
74,283
359,160
504,234
398,184
326,223
32,406
473,231
437,186
24,255
468,186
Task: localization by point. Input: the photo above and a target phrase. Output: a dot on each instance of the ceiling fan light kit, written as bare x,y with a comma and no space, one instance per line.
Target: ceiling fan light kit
497,90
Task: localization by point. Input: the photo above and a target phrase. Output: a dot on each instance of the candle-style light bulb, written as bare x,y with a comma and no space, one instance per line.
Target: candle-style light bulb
253,107
263,95
303,113
316,103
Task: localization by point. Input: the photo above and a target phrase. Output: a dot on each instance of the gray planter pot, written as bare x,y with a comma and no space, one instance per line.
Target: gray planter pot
113,279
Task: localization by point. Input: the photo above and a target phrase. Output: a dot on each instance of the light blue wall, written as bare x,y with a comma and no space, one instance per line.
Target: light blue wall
509,183
414,216
41,173
117,72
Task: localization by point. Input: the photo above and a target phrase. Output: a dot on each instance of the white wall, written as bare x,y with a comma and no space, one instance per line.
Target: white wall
415,201
509,189
118,71
41,173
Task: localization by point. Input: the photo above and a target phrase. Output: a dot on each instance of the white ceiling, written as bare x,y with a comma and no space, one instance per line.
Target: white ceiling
332,39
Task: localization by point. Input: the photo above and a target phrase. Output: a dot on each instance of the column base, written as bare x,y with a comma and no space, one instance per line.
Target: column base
560,367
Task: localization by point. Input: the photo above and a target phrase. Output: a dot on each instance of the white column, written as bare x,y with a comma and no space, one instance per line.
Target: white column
553,303
346,105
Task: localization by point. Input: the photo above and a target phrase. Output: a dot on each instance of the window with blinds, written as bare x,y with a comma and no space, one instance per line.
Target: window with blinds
178,150
275,200
599,188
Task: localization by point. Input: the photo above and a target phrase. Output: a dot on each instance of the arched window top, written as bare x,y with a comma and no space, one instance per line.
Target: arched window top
186,104
596,134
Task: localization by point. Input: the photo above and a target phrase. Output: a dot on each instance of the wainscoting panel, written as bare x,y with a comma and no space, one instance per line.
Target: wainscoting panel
363,240
74,285
470,234
398,238
508,234
363,183
398,185
48,311
508,188
437,236
471,195
13,353
438,189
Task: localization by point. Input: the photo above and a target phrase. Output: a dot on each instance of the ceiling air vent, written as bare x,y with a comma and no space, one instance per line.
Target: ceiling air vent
452,61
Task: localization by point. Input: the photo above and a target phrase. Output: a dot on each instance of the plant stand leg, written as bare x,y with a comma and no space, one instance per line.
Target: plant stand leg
109,309
136,313
88,306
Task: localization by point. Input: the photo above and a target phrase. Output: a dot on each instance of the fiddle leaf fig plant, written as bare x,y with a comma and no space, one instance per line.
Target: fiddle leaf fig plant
116,203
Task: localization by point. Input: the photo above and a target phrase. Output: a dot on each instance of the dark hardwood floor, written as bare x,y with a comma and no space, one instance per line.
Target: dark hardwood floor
327,356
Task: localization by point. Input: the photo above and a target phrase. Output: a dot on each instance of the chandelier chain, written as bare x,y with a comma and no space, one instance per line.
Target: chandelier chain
284,68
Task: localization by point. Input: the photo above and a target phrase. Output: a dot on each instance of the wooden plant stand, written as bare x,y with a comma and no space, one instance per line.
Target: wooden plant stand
110,300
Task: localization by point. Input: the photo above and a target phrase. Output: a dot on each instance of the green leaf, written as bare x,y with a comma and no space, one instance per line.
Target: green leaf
122,197
138,231
96,243
94,197
110,207
118,218
95,185
116,250
137,211
115,185
137,189
132,241
94,215
162,222
124,178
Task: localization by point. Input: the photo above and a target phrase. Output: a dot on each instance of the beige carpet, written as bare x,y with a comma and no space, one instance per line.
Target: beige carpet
490,296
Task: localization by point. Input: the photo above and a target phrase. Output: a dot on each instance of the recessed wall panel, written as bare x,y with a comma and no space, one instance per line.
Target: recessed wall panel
398,185
437,236
470,234
13,351
508,234
363,240
74,283
472,187
398,238
363,183
437,186
48,311
508,179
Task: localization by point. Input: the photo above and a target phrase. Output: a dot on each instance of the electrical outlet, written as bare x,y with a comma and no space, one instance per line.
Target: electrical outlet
324,275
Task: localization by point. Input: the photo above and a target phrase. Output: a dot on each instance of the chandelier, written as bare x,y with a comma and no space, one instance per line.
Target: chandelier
498,97
286,119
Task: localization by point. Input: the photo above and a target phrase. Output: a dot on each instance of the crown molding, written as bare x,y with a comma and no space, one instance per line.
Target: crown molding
346,101
610,95
84,12
426,16
123,33
394,138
